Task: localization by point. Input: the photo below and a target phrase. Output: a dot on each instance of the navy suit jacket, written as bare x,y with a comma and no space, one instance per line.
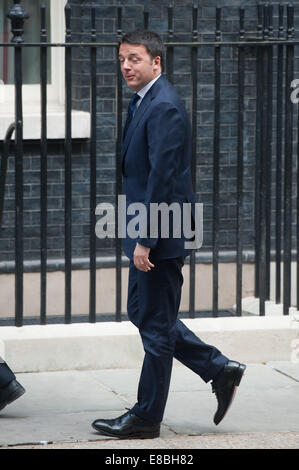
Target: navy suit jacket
156,164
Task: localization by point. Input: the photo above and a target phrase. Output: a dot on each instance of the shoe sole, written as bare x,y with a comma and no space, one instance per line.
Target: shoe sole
14,396
137,435
238,376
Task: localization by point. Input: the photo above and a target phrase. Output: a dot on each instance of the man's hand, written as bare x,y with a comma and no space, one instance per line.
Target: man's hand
141,260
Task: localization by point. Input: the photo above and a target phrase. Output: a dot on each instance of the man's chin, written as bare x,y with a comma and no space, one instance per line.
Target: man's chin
131,84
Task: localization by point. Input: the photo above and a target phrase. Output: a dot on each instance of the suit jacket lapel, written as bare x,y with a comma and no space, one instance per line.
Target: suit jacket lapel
139,113
137,116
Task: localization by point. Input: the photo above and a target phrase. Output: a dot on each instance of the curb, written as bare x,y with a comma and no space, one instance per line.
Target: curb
117,345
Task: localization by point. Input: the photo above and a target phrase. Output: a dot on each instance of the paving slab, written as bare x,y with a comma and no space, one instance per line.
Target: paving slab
65,391
126,380
265,401
290,369
60,406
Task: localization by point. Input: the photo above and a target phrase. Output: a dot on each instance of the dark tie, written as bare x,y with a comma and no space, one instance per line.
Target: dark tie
131,109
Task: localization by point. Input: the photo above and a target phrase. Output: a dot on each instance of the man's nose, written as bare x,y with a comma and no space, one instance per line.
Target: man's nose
126,64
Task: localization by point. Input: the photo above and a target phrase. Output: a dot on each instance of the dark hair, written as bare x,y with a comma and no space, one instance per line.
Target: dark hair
151,40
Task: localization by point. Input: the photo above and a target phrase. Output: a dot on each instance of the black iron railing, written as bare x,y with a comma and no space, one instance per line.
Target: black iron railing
262,43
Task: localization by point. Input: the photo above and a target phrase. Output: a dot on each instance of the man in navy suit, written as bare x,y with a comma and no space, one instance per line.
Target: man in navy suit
156,157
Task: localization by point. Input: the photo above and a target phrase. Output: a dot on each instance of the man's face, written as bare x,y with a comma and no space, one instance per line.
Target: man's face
137,66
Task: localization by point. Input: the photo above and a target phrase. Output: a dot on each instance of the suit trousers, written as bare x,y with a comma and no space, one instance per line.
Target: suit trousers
153,304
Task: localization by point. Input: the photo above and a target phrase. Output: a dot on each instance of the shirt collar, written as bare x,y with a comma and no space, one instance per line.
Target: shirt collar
145,89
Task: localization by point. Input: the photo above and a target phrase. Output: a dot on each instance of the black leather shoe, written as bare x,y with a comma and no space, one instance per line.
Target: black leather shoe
127,426
225,387
10,393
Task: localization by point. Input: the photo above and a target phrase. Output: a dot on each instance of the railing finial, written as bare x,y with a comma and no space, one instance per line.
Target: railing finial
17,15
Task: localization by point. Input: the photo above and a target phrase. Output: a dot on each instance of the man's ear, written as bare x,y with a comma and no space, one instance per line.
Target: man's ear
157,62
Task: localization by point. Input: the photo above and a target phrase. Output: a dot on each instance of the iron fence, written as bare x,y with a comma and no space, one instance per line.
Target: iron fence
262,44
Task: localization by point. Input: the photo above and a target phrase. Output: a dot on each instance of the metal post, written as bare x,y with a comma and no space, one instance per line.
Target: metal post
288,166
119,109
17,15
216,164
43,154
258,153
194,68
145,18
263,169
279,98
269,149
240,167
93,168
169,52
68,168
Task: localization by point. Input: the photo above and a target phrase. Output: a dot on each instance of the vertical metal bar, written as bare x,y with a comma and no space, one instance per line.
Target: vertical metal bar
297,203
145,18
297,221
119,109
266,21
292,35
169,52
216,152
278,206
194,67
263,171
269,151
288,166
258,148
240,167
260,21
68,167
17,15
43,154
93,169
270,13
19,227
5,54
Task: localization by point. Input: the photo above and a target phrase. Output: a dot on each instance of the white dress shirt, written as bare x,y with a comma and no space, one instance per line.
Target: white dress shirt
144,90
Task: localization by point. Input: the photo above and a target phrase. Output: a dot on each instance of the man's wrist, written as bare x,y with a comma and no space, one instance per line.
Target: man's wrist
147,242
143,246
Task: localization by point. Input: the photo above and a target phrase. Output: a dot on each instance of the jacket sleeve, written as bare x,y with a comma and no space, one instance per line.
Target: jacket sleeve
165,137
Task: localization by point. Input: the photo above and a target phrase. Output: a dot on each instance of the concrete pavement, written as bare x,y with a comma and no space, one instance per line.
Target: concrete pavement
59,406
